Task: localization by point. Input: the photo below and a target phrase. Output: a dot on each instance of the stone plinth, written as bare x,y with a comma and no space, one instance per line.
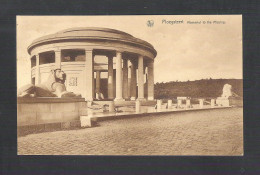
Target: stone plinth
222,101
201,102
169,104
37,111
188,105
179,103
85,121
212,103
159,104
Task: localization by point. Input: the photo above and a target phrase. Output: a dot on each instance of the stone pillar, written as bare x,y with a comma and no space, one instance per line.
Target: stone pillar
159,105
145,82
201,101
212,102
112,106
58,58
89,75
188,103
150,80
110,86
119,92
85,121
37,70
141,77
169,104
98,81
179,103
114,83
125,79
129,81
133,80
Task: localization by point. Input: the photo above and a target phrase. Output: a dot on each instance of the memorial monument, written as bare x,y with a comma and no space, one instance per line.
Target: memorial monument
226,94
128,69
63,65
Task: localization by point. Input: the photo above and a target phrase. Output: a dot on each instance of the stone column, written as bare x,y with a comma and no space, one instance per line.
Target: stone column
133,80
37,70
125,79
110,86
119,83
150,81
145,83
98,81
140,77
58,58
114,83
89,75
129,80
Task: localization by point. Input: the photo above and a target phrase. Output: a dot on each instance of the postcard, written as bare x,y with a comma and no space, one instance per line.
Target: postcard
130,85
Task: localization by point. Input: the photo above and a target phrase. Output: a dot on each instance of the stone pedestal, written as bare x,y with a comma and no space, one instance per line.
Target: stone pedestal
222,101
111,106
212,103
39,111
169,104
159,104
179,103
201,101
188,103
85,121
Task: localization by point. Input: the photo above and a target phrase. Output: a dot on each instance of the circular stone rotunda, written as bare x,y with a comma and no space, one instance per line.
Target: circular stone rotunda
96,60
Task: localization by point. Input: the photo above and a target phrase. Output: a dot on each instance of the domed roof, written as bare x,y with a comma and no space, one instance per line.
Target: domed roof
97,33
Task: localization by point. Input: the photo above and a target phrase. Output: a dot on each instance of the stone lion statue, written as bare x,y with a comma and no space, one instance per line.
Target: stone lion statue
227,91
53,87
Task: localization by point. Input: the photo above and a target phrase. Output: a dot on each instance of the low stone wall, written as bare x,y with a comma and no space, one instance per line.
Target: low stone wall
236,102
38,111
126,103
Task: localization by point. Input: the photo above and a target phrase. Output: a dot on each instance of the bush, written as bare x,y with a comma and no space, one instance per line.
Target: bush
197,89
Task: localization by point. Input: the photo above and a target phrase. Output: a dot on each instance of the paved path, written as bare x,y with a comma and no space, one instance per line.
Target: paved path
211,132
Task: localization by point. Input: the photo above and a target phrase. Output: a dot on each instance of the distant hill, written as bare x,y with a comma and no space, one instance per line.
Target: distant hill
198,88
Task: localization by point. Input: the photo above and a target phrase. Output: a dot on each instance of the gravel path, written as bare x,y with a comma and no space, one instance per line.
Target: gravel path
210,132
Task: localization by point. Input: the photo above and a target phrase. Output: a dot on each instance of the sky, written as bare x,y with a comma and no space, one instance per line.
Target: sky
190,50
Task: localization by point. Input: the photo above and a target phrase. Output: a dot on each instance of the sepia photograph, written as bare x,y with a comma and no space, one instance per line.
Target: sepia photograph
160,85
